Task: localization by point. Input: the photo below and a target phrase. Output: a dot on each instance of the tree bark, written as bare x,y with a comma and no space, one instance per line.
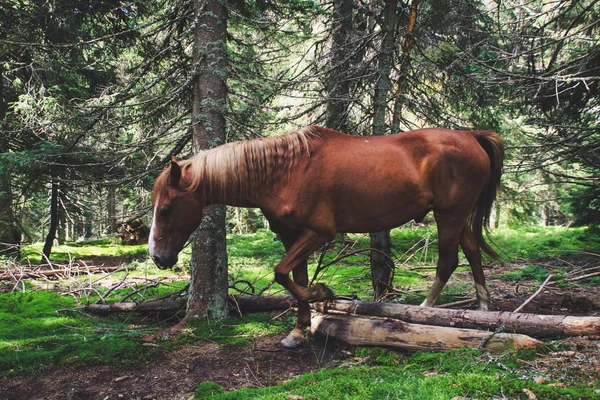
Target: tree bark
382,270
111,210
338,82
382,266
208,286
53,221
404,66
359,331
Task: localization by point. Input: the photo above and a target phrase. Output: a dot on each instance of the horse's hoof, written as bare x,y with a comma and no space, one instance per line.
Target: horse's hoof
293,341
320,292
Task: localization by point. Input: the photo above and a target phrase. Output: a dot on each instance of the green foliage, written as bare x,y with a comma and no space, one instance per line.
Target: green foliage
585,205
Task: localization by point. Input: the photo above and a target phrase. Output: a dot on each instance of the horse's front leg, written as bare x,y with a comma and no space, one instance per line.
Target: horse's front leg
296,336
295,260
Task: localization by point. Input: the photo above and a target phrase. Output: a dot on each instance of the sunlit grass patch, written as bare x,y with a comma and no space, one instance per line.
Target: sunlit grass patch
539,242
65,252
38,330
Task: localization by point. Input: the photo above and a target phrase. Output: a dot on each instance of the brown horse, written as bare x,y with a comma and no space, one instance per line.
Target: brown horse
316,182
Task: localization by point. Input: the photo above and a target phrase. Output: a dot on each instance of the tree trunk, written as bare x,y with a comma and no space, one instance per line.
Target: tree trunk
208,286
382,270
53,221
111,210
382,265
360,331
404,66
338,82
10,237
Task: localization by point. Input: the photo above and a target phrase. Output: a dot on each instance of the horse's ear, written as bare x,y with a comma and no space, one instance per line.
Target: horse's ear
175,171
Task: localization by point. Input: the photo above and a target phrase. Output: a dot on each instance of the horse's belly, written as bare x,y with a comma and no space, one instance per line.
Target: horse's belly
373,217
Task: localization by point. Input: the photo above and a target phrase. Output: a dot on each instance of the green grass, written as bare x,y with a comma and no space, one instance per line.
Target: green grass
530,272
236,331
461,373
65,252
37,331
538,242
42,329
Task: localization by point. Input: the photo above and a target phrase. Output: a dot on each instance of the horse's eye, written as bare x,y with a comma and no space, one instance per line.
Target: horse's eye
164,211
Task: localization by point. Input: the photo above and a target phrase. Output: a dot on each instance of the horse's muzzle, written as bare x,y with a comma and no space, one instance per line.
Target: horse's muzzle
164,261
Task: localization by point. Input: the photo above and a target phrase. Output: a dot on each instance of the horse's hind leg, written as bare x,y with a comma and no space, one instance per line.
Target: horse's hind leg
470,246
449,233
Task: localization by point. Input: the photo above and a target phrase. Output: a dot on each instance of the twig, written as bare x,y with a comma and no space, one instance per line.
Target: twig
422,267
151,285
109,274
534,295
114,287
237,305
281,314
457,303
581,277
261,291
44,257
351,254
18,280
175,294
242,291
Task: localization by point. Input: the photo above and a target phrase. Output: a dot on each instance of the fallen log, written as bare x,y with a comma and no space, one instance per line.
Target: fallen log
170,306
536,325
237,303
256,303
361,331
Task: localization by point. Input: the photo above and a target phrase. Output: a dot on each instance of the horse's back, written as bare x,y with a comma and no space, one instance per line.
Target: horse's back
385,181
421,151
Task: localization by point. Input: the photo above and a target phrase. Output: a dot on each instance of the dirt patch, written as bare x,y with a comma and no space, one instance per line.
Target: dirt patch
576,299
178,374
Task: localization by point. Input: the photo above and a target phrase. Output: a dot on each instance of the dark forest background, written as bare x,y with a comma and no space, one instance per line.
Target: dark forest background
95,96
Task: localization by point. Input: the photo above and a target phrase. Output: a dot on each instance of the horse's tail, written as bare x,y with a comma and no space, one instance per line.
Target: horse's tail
479,220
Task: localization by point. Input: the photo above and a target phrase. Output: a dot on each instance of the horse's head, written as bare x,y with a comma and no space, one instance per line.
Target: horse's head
177,213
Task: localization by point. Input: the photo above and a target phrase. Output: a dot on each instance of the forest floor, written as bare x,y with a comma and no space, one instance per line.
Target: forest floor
176,374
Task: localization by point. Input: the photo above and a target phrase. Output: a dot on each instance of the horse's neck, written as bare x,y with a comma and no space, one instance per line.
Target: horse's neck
243,174
233,189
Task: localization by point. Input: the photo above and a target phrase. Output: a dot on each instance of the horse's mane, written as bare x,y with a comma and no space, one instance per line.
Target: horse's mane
238,170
